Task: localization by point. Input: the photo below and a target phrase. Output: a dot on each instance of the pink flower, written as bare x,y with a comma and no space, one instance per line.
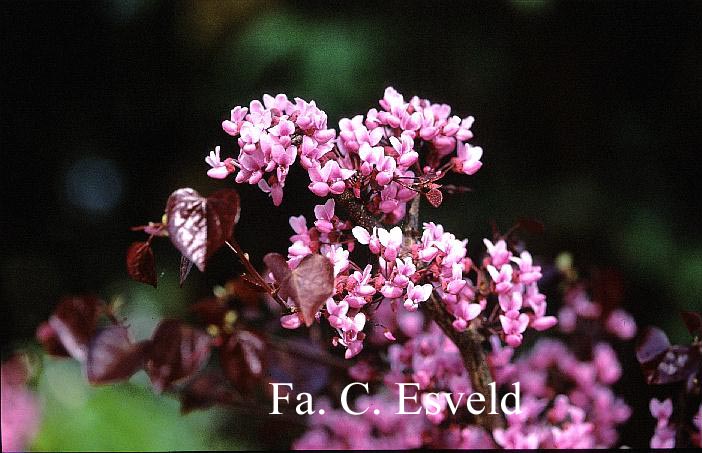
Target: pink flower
621,324
605,359
328,179
219,170
391,240
464,313
661,410
417,294
275,190
498,252
19,408
337,312
233,125
456,283
299,226
404,146
468,160
352,337
324,214
513,325
528,273
501,278
364,237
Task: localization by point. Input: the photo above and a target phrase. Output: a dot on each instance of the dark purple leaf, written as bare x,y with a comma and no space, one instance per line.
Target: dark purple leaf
531,225
74,322
242,360
210,310
205,390
277,264
435,197
187,225
199,226
676,364
223,210
140,263
177,351
295,365
112,356
693,322
47,337
185,267
310,284
653,343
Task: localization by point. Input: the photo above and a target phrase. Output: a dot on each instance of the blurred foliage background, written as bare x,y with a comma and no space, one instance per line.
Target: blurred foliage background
589,114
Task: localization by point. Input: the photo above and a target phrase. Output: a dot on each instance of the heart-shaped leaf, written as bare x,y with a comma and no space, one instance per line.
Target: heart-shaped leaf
223,211
242,360
177,351
199,226
309,285
653,343
278,266
74,322
205,390
211,310
677,364
297,364
140,263
530,225
693,322
112,356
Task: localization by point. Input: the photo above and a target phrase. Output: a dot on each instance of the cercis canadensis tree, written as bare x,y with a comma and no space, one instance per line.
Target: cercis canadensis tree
400,298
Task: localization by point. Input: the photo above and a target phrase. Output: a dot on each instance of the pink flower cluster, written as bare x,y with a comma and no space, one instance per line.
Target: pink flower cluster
20,409
383,151
271,136
387,147
408,276
584,416
338,430
579,306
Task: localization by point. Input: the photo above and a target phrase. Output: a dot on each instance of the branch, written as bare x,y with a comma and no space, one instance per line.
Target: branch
468,342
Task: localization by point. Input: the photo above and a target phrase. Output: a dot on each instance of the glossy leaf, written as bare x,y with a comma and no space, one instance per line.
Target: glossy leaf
310,284
242,360
223,210
141,265
210,310
199,226
531,225
693,322
177,351
74,322
676,364
653,343
278,266
295,365
112,356
205,390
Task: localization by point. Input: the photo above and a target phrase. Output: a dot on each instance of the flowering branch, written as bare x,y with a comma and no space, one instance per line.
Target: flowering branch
469,342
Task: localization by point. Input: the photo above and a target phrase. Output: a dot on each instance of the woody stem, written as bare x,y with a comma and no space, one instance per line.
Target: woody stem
468,342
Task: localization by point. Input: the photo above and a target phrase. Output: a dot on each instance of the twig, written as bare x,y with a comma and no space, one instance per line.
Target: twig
236,248
468,342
